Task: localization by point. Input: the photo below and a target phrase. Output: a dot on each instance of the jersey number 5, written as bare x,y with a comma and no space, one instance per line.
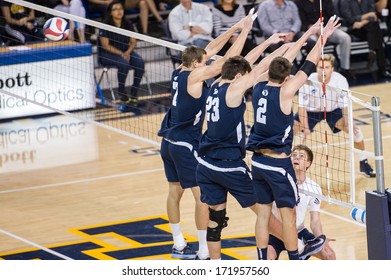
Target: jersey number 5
261,111
212,109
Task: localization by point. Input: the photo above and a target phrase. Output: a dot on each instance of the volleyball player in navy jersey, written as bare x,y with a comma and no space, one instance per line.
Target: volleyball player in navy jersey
221,169
181,130
271,140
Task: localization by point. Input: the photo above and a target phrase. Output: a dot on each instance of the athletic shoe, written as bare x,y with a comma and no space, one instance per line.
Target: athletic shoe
198,258
186,253
131,100
130,103
124,98
313,246
348,74
366,169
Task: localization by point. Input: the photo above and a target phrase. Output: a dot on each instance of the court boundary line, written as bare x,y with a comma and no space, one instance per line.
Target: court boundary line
342,218
50,251
82,181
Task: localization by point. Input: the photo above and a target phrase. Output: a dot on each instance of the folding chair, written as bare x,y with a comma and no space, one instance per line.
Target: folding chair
175,55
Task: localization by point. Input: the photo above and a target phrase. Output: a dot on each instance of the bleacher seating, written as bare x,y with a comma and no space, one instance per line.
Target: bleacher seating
99,16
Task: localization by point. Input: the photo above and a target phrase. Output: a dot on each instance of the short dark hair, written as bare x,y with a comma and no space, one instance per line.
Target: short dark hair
233,66
279,69
310,154
192,53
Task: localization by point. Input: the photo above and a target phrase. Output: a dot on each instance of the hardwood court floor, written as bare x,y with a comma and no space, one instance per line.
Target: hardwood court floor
91,193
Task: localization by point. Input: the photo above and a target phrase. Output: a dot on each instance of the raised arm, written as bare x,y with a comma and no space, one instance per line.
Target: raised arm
262,75
201,74
218,43
256,52
290,88
295,49
238,45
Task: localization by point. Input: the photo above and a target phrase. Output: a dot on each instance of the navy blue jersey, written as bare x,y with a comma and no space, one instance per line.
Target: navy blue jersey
183,121
225,136
272,128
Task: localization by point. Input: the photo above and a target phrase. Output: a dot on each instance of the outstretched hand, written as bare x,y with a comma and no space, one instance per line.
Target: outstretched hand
246,21
277,37
314,29
331,26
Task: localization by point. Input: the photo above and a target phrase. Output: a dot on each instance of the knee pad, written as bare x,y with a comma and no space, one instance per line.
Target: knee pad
219,217
358,136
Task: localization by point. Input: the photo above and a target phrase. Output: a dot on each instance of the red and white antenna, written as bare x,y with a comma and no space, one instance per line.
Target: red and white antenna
324,99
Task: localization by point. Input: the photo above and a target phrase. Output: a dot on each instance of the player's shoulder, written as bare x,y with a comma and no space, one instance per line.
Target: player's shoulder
338,80
312,80
338,75
311,186
313,77
260,84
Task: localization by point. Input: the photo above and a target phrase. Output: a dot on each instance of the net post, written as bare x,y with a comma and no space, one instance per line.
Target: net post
378,203
378,145
351,152
378,226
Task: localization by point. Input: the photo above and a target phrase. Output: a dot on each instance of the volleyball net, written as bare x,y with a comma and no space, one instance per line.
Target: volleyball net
66,77
336,165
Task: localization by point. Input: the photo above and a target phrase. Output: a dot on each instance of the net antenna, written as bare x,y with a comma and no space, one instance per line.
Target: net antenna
324,98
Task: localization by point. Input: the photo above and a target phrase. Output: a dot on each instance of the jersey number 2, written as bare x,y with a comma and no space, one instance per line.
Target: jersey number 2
261,111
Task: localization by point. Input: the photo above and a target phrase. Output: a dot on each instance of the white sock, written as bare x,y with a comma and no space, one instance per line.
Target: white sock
203,251
179,240
362,157
300,246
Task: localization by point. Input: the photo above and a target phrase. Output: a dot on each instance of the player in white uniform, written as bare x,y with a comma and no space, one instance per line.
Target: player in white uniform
302,158
311,109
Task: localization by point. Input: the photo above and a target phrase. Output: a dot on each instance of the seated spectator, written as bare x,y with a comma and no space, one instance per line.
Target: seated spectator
281,16
362,22
76,8
145,6
20,23
95,7
225,14
118,50
98,6
191,24
309,11
165,5
384,6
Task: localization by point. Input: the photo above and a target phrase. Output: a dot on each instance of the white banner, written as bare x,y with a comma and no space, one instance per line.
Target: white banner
65,84
30,144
